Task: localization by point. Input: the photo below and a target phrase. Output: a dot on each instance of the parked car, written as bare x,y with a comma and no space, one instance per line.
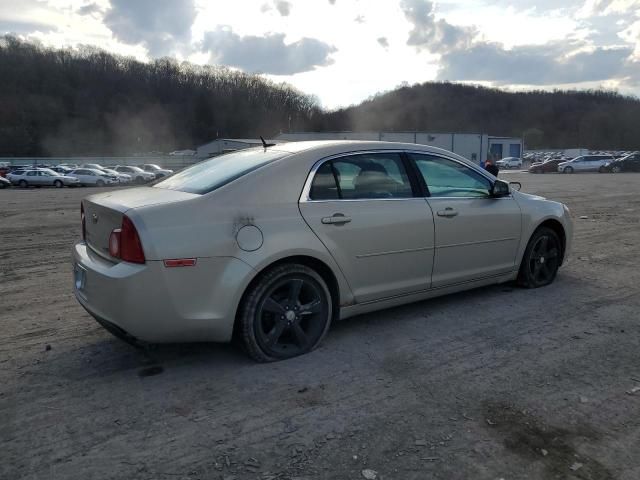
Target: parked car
269,242
42,177
4,183
93,177
545,167
93,166
123,178
630,163
510,162
61,169
137,174
156,170
584,163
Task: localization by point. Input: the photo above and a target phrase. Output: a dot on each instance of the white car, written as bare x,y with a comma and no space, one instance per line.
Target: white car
137,174
273,244
122,177
41,177
585,163
155,169
510,162
93,177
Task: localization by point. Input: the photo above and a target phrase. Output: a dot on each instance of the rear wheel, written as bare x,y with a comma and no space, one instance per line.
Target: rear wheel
616,169
568,170
541,259
58,184
285,313
23,184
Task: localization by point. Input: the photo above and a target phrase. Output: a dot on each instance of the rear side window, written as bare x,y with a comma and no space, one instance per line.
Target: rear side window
365,176
206,176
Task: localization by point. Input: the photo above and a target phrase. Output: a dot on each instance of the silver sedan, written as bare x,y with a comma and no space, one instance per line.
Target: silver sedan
271,245
42,177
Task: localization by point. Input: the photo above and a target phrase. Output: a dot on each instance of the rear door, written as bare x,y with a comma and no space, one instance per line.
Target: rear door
363,209
476,235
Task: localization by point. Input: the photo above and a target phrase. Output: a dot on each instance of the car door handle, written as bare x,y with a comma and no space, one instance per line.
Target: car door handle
336,219
447,212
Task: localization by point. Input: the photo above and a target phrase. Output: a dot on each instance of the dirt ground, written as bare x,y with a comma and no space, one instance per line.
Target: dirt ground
498,383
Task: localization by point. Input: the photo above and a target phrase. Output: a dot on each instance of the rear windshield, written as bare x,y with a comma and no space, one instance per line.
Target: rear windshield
208,175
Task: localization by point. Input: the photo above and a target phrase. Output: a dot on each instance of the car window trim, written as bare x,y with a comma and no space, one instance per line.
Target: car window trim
306,189
464,164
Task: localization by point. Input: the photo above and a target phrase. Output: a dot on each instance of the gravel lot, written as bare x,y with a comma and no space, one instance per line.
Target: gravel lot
493,383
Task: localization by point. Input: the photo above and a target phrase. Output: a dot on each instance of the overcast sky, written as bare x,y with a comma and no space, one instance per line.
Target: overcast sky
344,51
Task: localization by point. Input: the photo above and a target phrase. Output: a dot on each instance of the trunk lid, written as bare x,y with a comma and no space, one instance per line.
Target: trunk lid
104,211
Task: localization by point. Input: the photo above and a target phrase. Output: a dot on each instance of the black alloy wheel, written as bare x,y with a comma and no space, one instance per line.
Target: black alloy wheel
541,259
286,313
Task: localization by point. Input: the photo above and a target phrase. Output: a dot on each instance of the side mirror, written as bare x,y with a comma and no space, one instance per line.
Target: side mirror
500,189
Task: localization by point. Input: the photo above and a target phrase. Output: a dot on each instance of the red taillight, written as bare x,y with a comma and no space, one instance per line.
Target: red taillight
124,243
84,226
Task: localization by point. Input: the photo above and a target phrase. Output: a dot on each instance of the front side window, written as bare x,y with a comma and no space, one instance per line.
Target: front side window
447,178
208,175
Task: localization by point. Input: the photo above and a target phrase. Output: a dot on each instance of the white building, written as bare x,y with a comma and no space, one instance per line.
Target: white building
473,146
225,145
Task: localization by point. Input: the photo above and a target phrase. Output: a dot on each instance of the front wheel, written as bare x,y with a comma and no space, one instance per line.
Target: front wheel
58,184
541,259
23,184
568,170
616,169
99,183
285,313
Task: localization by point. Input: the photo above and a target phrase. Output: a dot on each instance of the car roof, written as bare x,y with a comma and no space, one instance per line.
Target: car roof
334,147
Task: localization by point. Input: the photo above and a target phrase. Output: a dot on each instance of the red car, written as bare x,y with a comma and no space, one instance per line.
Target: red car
546,167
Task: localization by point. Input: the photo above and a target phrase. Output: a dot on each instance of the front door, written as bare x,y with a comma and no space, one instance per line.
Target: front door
362,207
476,235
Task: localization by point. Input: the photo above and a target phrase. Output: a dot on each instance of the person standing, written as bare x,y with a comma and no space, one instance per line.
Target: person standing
490,167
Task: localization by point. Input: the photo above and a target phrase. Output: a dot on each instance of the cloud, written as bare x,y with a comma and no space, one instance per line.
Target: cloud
89,9
608,7
267,54
436,36
162,26
20,27
383,42
547,64
283,7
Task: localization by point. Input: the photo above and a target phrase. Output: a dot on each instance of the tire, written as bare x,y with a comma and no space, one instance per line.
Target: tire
568,170
616,169
23,184
541,259
274,294
139,180
99,183
58,184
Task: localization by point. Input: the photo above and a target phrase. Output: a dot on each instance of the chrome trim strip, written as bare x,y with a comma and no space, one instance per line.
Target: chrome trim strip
304,195
392,252
477,243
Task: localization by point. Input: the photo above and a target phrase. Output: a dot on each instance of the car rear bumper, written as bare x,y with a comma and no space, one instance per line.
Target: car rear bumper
154,304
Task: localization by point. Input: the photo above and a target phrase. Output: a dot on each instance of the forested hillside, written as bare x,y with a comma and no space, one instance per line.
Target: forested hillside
66,102
560,119
87,101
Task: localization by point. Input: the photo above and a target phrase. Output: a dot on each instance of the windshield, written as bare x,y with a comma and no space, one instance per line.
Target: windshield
210,174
